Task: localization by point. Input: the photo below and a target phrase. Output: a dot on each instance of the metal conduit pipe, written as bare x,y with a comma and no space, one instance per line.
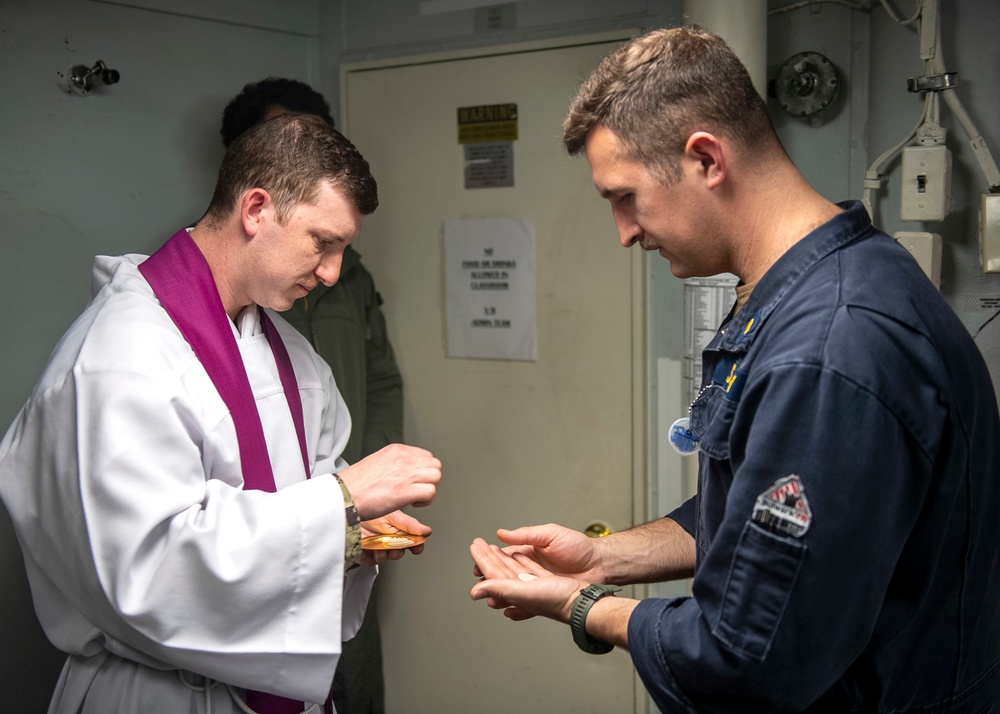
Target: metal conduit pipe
743,25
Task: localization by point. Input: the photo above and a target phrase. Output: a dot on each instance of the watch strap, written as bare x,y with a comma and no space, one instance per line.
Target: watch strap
578,618
352,532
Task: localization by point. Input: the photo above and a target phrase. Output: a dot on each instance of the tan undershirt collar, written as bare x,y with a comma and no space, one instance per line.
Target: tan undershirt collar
743,291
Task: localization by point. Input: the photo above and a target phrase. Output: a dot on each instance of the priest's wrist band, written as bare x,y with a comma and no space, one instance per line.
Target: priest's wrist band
578,618
352,534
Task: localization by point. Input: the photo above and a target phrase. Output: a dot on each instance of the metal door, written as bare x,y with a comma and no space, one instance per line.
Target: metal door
522,442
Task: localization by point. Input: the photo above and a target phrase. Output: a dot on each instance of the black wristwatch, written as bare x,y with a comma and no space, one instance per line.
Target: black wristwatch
578,618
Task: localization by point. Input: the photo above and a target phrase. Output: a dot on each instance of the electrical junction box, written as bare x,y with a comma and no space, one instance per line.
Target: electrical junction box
926,249
926,184
989,232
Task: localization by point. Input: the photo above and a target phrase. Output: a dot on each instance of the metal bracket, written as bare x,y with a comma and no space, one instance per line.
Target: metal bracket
932,82
81,77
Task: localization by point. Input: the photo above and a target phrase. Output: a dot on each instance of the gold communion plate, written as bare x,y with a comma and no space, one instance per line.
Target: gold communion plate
391,541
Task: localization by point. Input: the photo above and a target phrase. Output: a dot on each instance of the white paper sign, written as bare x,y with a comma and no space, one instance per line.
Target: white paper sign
490,278
707,301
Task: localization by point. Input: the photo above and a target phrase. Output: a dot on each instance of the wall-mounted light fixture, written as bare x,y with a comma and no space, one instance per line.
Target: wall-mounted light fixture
81,77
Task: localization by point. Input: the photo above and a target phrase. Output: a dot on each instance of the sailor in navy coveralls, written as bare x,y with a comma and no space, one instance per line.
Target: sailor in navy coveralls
843,541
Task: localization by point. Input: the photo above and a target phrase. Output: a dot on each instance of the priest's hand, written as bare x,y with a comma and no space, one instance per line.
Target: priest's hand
392,478
391,524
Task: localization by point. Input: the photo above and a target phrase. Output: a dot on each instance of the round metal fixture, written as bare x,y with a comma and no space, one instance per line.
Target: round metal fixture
806,84
598,529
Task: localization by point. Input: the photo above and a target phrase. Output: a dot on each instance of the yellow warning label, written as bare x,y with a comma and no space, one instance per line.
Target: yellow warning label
489,122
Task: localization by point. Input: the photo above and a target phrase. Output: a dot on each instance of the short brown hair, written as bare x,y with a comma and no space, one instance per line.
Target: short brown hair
656,90
289,156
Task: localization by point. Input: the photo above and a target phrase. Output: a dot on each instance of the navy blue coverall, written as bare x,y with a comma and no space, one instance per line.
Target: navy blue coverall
848,500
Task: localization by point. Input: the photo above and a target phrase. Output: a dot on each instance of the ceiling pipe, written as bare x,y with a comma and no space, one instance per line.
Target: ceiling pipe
743,25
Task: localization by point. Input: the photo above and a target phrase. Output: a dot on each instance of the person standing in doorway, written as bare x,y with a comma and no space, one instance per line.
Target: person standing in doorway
346,326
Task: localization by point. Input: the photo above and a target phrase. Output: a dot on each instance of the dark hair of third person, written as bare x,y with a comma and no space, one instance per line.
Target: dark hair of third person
251,105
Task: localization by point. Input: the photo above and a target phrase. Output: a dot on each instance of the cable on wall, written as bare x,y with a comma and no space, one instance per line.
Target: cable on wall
936,81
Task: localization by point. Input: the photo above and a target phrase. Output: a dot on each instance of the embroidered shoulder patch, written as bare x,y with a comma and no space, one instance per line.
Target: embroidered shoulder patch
784,508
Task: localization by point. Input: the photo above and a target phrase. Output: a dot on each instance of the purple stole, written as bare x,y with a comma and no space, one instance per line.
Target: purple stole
182,280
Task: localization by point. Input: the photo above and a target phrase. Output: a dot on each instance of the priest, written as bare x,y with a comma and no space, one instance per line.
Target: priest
190,531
